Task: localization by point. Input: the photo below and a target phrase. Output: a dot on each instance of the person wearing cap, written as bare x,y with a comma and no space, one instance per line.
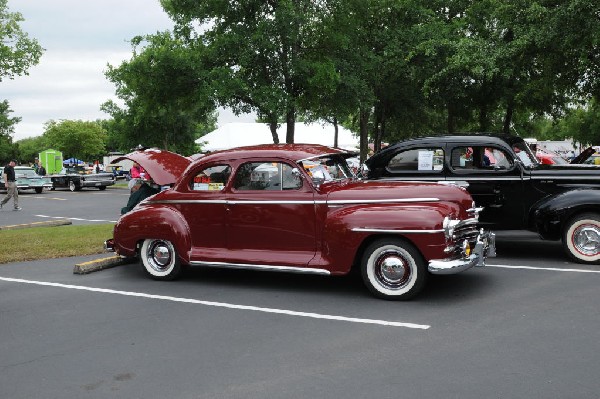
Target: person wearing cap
10,182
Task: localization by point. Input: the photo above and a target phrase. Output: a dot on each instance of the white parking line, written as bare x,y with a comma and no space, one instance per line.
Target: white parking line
49,198
223,305
554,269
78,219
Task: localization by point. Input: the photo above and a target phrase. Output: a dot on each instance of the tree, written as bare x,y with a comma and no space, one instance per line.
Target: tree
29,148
166,92
263,54
17,54
79,139
7,150
17,51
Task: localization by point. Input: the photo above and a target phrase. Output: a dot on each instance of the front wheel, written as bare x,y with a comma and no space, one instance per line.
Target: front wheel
38,190
160,259
72,186
102,188
581,238
393,269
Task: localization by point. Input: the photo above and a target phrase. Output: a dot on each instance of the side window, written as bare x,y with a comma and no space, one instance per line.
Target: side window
418,159
266,176
213,178
479,158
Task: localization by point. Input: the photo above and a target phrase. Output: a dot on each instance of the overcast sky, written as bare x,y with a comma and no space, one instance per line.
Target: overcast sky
80,38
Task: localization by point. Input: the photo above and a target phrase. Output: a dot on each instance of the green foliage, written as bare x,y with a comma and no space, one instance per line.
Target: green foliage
166,92
17,51
29,148
79,139
7,123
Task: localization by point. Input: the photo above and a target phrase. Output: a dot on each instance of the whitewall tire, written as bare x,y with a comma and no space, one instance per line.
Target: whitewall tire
393,269
581,238
160,259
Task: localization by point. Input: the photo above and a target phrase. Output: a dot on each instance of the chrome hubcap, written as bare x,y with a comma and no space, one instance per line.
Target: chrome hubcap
159,255
392,269
586,239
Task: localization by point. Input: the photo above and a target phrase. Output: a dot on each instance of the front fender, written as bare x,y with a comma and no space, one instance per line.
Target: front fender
147,221
355,226
551,213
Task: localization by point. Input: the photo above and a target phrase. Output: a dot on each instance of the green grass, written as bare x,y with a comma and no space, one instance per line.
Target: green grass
53,242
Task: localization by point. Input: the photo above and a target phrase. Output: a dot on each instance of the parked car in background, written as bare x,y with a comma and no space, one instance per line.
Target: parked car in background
546,158
77,177
117,170
27,179
298,208
559,202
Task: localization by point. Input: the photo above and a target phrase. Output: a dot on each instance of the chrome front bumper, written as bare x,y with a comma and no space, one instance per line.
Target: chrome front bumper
484,247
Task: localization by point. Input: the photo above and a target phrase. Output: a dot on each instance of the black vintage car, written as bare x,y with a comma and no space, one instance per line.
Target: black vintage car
77,177
559,202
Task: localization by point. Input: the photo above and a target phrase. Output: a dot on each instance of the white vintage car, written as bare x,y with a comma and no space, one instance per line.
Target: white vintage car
27,179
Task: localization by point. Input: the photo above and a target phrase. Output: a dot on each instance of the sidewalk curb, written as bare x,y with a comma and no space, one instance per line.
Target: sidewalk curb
47,223
99,264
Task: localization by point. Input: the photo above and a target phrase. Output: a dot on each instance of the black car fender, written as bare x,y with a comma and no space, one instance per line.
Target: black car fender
551,213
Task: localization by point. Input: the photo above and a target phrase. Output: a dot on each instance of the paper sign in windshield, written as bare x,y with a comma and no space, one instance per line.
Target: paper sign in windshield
425,160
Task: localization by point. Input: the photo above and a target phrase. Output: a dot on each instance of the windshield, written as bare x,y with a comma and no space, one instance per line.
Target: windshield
524,153
327,168
25,172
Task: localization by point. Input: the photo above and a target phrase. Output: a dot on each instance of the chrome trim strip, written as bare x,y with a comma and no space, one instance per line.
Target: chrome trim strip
187,202
384,201
372,230
273,202
271,268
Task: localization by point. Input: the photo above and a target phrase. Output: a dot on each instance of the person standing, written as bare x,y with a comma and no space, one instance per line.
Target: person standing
41,170
11,186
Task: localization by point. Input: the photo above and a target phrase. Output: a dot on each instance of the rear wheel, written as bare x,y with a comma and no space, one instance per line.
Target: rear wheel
393,269
160,259
581,238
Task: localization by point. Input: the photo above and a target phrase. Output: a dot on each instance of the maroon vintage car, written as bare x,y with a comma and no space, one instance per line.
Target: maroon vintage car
299,208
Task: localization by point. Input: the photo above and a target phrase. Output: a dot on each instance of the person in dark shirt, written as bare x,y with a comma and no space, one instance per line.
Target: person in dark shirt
139,192
10,182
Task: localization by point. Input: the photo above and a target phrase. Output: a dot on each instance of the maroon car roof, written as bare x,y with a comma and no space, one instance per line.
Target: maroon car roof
296,152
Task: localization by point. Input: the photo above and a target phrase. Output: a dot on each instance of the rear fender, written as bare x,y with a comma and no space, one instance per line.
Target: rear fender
161,223
550,214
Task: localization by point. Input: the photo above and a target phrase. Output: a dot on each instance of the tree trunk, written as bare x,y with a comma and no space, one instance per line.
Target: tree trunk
336,130
510,109
450,121
364,133
483,119
273,129
290,120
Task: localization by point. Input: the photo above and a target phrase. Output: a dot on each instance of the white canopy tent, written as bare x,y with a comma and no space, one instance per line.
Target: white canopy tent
243,134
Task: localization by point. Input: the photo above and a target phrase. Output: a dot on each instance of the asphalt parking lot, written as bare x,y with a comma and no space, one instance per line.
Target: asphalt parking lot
525,326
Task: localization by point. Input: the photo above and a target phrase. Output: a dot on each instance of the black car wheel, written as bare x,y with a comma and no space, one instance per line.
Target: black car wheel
72,186
581,238
160,259
393,269
39,190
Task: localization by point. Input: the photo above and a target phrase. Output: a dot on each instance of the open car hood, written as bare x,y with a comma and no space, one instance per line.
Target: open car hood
164,167
584,156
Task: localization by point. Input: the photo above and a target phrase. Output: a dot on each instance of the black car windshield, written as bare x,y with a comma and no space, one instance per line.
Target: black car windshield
525,154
